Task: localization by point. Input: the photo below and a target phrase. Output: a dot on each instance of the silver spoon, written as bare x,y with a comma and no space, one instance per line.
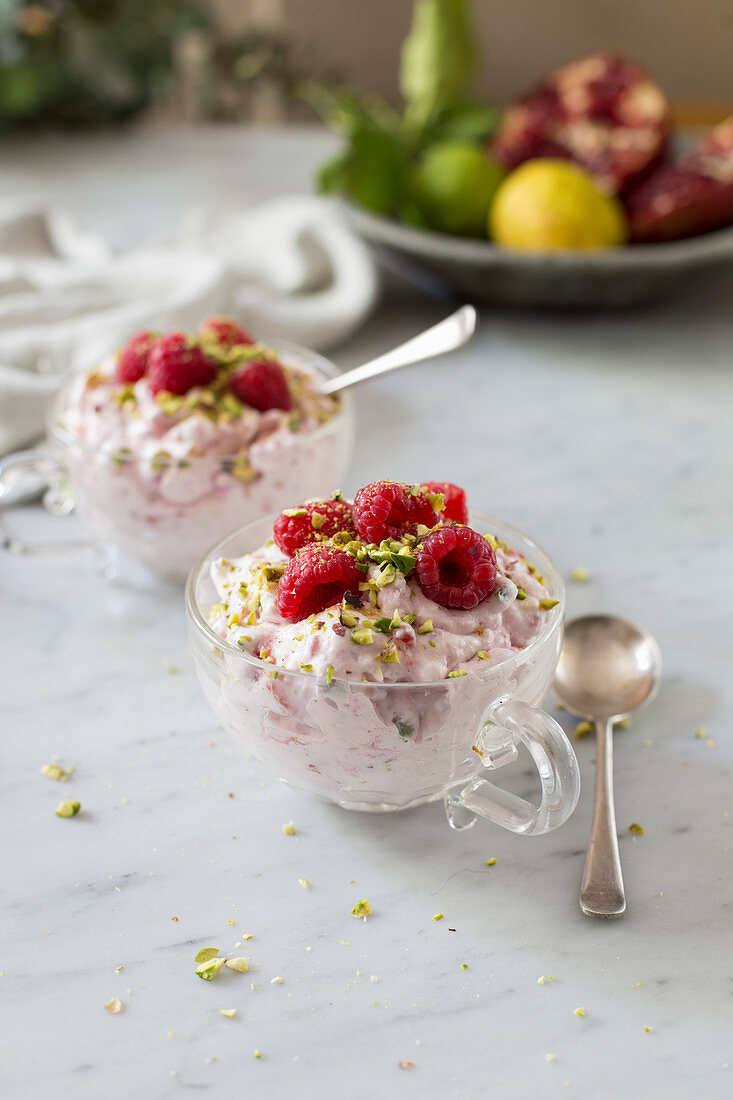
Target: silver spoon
447,335
608,668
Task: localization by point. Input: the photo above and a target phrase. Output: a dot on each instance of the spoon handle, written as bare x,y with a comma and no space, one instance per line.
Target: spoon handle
602,888
447,335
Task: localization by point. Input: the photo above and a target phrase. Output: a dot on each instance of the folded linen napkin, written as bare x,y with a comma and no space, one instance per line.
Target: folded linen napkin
286,268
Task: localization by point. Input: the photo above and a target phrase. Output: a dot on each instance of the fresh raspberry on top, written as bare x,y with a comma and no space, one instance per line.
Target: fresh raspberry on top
316,578
132,361
262,385
224,331
389,509
455,506
297,527
456,567
177,366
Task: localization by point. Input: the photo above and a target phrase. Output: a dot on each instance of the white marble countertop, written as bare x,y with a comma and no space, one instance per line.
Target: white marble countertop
609,439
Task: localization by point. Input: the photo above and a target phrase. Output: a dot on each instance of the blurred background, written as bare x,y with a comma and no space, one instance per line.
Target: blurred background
76,63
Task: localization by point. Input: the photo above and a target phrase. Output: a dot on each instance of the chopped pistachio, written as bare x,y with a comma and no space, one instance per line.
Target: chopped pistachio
256,1053
390,654
464,966
457,672
483,655
317,520
160,460
546,604
432,643
217,609
362,909
304,882
521,593
383,625
701,733
646,1028
329,674
231,404
409,619
579,574
54,771
348,618
623,723
491,539
385,575
276,981
579,1011
637,830
295,512
208,970
426,627
289,829
583,729
362,635
114,1005
306,668
437,500
238,963
422,530
438,916
68,809
205,954
396,621
492,862
229,1012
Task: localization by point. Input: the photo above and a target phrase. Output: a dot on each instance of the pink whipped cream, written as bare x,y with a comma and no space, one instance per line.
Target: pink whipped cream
163,480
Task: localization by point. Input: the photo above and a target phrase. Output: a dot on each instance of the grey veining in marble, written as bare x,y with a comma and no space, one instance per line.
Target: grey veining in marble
609,440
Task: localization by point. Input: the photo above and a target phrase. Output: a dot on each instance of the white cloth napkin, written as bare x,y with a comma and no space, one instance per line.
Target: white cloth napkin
287,268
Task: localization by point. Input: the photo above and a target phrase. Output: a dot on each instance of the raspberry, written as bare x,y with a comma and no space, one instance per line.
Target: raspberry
132,361
177,366
316,578
456,567
224,331
262,385
389,509
293,531
454,499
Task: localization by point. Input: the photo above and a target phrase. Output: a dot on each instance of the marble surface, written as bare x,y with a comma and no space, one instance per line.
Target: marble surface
607,438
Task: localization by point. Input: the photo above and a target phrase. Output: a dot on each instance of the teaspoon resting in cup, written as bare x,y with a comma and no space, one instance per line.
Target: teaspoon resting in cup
447,335
608,668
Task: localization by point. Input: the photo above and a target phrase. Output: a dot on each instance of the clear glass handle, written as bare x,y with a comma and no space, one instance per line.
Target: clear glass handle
43,465
508,724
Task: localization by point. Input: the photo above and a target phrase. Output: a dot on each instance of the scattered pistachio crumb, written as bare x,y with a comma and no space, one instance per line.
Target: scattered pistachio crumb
120,967
56,771
438,916
492,862
583,728
205,954
209,970
579,1011
457,672
426,627
550,1057
305,883
374,978
542,980
623,723
362,909
546,604
68,809
645,1028
710,744
464,966
276,981
579,574
240,964
637,830
289,829
256,1053
701,733
482,655
228,1012
248,935
114,1005
521,593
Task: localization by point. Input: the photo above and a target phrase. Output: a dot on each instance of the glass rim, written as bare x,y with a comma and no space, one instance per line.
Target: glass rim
555,617
320,364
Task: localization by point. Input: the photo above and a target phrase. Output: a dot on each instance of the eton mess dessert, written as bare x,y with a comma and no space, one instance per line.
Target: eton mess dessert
374,634
178,438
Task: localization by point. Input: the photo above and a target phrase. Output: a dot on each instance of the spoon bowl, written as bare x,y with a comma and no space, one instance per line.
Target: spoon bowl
608,667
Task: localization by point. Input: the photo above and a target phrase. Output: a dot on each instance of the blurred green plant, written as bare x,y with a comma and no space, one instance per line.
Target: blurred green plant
383,148
80,62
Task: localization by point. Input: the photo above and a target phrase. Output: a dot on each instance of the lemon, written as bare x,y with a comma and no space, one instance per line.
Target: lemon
546,205
453,186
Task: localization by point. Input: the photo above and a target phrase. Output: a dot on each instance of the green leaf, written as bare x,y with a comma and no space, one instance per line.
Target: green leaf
464,122
438,59
373,171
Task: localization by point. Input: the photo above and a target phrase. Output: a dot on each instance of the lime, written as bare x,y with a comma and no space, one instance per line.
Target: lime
546,205
454,184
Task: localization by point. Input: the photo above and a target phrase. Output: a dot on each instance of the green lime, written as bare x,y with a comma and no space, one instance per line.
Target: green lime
545,205
454,184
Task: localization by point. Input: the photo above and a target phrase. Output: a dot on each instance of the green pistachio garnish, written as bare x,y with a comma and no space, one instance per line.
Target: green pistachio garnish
231,404
579,574
120,456
637,830
396,620
457,672
55,771
521,594
583,729
317,520
390,654
422,530
362,909
170,403
205,954
306,668
338,495
68,809
241,469
160,460
209,970
348,618
482,655
426,627
240,964
329,674
547,604
218,609
492,542
437,500
362,636
295,512
383,625
409,619
385,575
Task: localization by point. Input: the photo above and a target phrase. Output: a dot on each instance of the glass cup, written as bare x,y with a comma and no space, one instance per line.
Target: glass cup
381,747
165,512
